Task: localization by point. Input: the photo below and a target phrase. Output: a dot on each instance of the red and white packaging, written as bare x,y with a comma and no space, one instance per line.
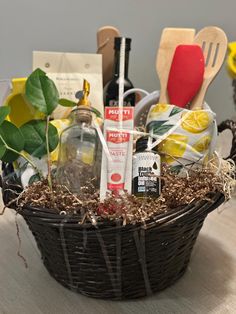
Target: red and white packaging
116,171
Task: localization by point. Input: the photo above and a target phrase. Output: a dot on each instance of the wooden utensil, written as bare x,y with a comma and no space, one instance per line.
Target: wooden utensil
105,46
186,74
214,45
170,38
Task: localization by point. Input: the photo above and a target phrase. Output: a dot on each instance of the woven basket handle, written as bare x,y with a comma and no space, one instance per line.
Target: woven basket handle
230,125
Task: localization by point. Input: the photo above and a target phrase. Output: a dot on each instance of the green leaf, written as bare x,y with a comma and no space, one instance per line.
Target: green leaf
4,112
66,102
97,112
158,127
69,103
176,169
175,110
34,133
155,124
12,137
162,129
41,92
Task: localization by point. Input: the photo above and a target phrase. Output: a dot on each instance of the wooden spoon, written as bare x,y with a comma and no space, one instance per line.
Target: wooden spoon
170,38
214,45
105,46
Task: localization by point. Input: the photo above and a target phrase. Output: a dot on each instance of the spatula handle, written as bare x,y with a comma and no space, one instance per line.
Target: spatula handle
198,100
164,99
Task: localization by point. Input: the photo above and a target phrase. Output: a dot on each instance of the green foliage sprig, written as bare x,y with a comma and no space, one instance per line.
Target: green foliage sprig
36,137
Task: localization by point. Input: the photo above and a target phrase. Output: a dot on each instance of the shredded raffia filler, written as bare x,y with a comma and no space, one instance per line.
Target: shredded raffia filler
177,191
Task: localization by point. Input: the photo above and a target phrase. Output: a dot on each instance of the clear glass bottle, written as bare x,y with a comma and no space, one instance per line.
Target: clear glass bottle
77,161
111,90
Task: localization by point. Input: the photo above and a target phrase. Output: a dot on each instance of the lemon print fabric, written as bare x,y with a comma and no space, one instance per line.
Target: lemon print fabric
185,137
203,144
158,109
196,121
174,146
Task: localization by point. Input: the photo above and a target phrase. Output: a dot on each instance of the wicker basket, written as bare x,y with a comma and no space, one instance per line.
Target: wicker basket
112,261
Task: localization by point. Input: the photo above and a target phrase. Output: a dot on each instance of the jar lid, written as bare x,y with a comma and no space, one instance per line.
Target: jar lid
142,143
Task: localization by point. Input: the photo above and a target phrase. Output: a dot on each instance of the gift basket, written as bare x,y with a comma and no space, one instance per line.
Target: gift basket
116,201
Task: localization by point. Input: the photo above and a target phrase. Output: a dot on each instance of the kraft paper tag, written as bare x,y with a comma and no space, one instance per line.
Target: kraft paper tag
68,70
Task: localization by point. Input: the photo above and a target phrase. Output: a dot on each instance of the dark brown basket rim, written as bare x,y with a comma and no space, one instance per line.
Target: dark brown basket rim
194,209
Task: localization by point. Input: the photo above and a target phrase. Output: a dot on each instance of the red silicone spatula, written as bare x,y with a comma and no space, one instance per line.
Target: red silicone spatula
186,74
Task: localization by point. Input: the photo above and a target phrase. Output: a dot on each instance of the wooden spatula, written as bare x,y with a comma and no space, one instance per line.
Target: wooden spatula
214,45
105,46
186,74
170,38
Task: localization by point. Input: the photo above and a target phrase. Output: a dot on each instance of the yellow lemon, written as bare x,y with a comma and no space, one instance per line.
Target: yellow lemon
195,121
173,146
158,110
202,144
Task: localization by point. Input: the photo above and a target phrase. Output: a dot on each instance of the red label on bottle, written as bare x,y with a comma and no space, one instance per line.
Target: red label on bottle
119,114
118,137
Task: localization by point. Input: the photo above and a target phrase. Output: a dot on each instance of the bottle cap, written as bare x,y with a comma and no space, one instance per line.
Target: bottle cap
142,143
118,43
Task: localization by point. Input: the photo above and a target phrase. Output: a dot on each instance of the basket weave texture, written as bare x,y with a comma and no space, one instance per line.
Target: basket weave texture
230,125
112,261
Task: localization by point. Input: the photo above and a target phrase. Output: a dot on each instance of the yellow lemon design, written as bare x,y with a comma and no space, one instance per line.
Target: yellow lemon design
174,145
202,144
158,110
195,121
60,125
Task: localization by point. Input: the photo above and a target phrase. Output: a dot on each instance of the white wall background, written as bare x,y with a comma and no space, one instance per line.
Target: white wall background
71,25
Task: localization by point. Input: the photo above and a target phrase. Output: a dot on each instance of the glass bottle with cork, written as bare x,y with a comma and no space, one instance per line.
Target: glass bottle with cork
111,90
78,147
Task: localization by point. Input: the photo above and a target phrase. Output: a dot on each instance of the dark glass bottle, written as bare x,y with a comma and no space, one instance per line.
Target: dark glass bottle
146,170
111,90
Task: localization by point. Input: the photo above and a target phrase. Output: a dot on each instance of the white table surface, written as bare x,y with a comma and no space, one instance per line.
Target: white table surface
208,286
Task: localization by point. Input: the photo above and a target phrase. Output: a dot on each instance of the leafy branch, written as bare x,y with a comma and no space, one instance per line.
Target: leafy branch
36,137
11,140
41,93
